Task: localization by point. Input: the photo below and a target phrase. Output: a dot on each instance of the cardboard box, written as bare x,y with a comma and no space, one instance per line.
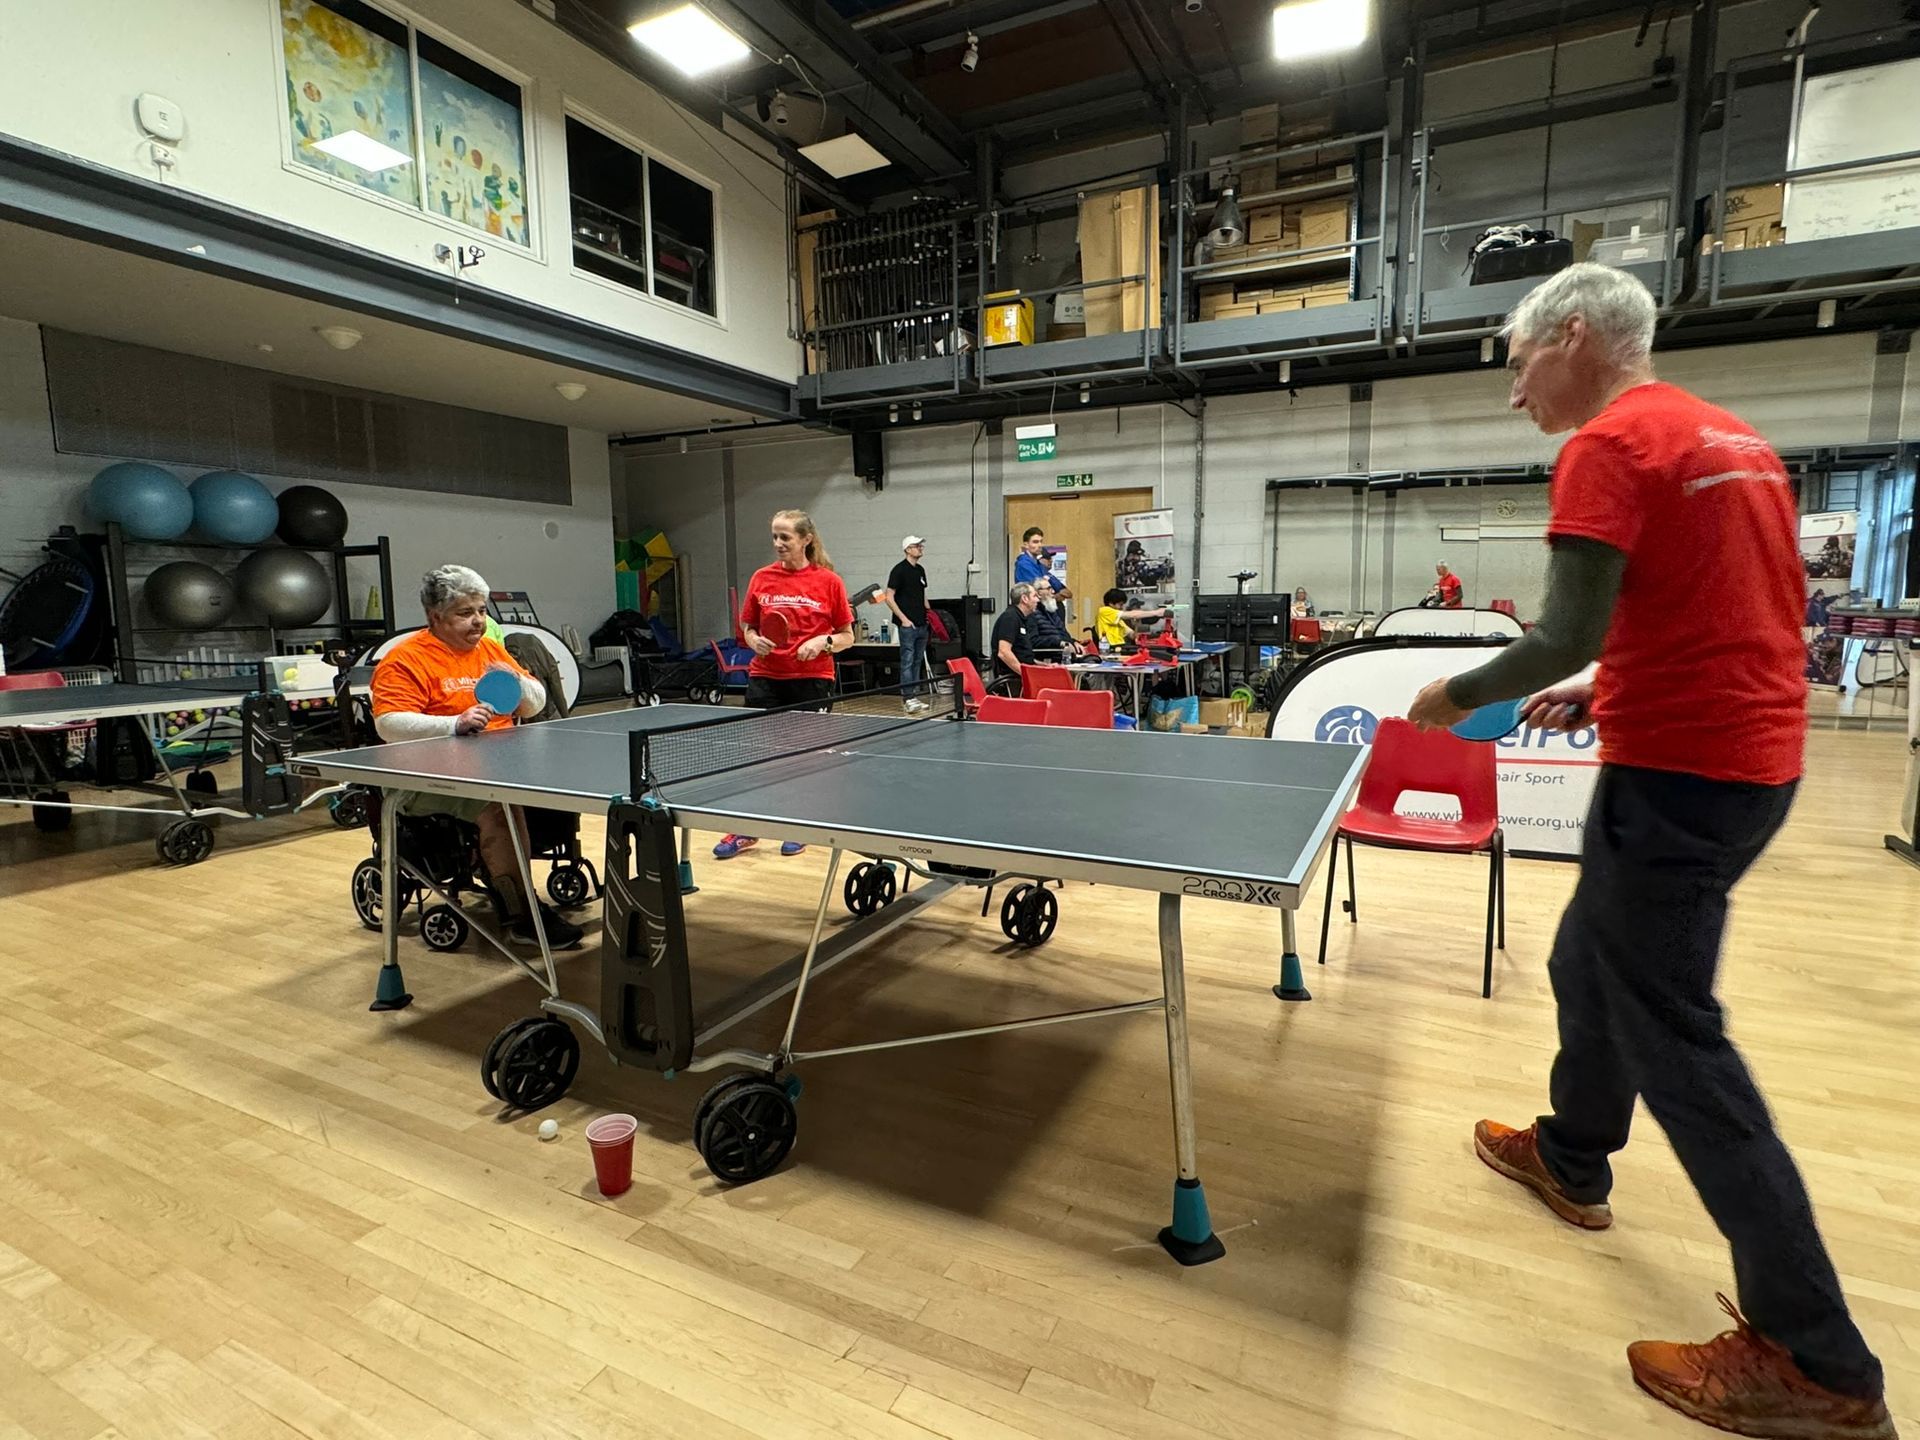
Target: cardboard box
1253,725
1234,312
1119,230
1280,304
1259,177
1223,714
1258,126
1010,323
1269,224
1324,222
1186,729
1751,205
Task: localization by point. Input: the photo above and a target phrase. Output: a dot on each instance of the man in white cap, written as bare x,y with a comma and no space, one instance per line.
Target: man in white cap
907,598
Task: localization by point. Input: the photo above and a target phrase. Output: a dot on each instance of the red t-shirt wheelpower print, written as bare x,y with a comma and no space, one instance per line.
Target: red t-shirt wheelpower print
1703,666
813,601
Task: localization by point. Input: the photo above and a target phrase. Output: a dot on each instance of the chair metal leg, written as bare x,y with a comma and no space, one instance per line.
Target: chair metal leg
1326,912
1493,890
1353,903
987,904
1500,851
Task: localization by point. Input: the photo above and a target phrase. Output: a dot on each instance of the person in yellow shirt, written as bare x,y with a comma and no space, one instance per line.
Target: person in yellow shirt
423,689
1112,622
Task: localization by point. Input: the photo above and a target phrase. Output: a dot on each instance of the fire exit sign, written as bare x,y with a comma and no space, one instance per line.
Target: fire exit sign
1073,482
1039,448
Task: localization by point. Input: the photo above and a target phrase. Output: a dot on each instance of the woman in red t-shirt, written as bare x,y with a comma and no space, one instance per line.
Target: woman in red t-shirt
803,603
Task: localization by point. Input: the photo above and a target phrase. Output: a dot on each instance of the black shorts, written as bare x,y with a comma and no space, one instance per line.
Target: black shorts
764,693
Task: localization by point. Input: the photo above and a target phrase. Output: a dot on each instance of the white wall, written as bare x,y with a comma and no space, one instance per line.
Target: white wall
569,575
76,68
1799,392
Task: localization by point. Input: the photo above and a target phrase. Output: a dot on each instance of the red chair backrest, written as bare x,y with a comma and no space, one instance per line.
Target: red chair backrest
972,687
1305,632
720,659
1003,710
1505,607
1437,761
33,680
1036,678
1079,709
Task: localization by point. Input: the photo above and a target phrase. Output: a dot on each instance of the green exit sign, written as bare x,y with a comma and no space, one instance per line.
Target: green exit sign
1072,482
1039,449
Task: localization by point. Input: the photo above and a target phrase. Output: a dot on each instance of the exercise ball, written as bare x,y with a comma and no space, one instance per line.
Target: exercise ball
147,502
187,595
312,517
288,587
233,508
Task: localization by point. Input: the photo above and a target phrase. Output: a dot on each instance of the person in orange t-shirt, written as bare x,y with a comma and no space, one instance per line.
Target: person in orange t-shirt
1675,563
423,689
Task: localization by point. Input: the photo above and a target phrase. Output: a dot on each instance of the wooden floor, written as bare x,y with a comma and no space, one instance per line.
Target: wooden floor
233,1202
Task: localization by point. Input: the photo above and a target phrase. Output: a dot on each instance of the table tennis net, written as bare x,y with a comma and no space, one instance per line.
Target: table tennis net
698,751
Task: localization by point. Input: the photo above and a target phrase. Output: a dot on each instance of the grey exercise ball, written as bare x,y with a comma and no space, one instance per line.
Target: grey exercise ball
288,587
186,595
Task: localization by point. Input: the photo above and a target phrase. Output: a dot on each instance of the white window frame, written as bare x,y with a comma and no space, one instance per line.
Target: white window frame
620,136
535,246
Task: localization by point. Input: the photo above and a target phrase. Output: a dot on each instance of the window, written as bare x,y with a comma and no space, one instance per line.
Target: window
638,222
376,104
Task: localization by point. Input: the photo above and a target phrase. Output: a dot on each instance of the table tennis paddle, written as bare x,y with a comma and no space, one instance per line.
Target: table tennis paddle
1491,722
777,628
499,691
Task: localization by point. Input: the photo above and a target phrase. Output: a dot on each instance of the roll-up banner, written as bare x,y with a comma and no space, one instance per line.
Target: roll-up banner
1341,695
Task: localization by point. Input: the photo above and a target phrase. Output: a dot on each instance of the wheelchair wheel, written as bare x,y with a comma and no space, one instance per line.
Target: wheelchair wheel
568,887
351,808
444,928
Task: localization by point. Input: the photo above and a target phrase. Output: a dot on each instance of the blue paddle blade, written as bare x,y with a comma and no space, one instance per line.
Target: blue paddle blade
1491,722
499,691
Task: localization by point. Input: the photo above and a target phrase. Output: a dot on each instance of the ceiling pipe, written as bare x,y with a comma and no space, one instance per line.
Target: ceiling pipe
898,13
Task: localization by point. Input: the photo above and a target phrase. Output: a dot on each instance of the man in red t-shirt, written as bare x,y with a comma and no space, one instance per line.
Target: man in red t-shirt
1445,594
1676,565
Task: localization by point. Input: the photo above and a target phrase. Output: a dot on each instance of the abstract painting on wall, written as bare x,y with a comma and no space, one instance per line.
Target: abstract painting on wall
343,79
476,170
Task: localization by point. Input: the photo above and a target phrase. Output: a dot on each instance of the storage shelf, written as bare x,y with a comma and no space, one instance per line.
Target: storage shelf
1318,190
1279,265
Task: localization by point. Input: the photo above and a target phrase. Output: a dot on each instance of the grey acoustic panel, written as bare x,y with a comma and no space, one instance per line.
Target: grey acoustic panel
113,399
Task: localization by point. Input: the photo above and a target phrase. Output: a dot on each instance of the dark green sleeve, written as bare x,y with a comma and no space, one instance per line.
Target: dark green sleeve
1583,581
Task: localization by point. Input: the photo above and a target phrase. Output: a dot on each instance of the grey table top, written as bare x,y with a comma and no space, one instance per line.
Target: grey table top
65,704
1233,819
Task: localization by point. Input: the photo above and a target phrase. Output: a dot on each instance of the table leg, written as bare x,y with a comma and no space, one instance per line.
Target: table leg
687,887
391,991
1293,985
1190,1238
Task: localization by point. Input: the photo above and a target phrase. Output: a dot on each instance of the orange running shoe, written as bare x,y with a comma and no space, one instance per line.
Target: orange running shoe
1516,1155
1742,1382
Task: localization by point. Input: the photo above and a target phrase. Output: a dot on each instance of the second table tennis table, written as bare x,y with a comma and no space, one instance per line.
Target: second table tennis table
949,800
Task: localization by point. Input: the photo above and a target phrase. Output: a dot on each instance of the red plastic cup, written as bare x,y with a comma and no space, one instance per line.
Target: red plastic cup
611,1137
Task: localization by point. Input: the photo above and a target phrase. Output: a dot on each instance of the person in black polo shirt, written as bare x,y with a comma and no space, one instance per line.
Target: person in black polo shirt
1012,642
907,598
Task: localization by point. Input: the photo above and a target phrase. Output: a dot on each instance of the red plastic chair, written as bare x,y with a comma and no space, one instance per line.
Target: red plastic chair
972,689
1305,634
1004,710
41,680
1405,758
1079,709
1037,678
1505,607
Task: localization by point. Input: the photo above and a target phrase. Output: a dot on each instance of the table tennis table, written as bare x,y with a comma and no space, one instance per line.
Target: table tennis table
32,722
950,801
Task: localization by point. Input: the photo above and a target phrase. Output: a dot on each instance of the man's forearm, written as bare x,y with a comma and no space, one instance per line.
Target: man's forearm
1583,581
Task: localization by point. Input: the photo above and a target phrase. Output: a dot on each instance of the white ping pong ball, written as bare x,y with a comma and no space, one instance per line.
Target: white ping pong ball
549,1129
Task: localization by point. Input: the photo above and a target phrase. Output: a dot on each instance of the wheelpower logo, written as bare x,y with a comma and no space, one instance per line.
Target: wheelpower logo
1346,725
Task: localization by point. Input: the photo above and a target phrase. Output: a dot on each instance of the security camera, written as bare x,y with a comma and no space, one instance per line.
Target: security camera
970,61
777,112
1194,7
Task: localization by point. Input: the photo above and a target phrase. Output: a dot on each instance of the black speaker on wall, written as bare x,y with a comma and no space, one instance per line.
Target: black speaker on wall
870,457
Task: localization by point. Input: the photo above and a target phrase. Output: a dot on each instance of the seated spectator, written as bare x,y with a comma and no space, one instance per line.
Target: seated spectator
1302,603
1013,633
1051,639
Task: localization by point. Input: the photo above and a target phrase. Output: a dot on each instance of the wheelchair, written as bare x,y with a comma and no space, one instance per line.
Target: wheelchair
447,852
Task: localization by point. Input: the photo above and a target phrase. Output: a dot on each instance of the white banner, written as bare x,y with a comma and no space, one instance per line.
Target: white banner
1143,555
1412,620
1546,780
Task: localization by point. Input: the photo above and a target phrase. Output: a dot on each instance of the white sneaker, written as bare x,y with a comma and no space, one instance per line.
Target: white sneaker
915,706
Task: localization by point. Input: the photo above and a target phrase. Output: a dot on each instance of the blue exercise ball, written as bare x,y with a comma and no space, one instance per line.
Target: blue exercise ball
311,517
233,508
288,587
147,502
187,595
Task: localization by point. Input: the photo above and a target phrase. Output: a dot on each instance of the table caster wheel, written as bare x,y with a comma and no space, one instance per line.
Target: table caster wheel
443,928
1028,915
870,886
185,842
537,1065
52,816
745,1126
490,1062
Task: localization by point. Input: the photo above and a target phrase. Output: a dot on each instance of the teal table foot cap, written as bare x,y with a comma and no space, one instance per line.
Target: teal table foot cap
687,887
1190,1239
391,992
1293,985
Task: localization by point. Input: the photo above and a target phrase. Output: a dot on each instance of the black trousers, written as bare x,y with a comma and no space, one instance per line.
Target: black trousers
1633,975
764,693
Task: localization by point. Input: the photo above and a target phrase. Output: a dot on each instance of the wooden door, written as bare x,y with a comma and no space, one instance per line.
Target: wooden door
1083,522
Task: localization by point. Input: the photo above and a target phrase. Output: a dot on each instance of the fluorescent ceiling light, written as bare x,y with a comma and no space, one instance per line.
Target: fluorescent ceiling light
1304,29
358,148
845,155
690,40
